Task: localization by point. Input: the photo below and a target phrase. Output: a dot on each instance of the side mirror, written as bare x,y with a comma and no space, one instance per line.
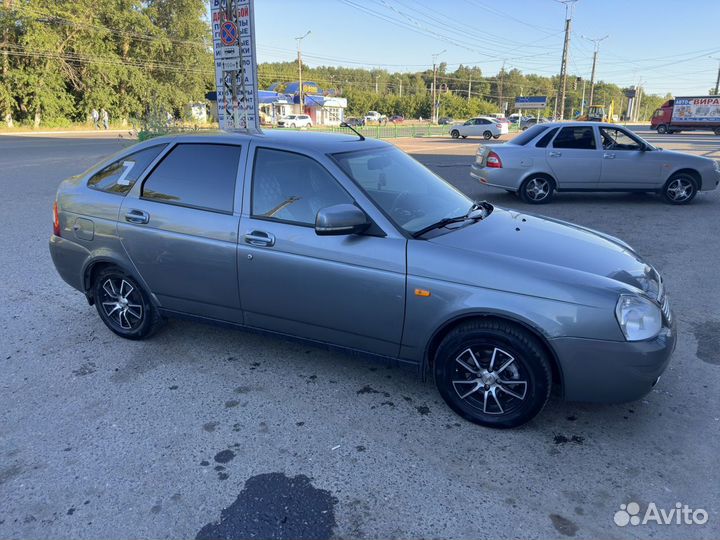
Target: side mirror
340,219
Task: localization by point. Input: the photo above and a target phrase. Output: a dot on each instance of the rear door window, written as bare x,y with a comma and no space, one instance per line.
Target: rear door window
197,175
120,176
575,137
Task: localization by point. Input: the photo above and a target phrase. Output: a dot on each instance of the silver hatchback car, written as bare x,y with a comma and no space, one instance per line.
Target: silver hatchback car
591,156
351,243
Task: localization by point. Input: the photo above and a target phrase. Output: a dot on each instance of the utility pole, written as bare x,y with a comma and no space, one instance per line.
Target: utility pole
500,87
300,83
596,41
717,81
569,4
401,87
433,118
469,88
582,100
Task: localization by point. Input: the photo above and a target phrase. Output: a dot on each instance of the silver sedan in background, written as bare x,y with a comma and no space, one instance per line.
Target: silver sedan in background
591,156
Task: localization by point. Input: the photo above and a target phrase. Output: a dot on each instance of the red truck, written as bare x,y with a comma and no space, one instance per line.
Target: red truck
688,114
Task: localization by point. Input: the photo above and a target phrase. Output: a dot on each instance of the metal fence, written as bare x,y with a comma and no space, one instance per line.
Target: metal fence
388,131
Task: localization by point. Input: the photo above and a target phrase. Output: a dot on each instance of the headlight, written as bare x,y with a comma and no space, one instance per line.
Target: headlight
639,318
717,165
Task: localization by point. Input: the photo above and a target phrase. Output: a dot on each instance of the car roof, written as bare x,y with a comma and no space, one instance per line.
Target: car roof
324,143
581,124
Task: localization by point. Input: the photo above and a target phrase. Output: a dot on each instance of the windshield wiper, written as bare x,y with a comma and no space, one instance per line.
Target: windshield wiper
477,211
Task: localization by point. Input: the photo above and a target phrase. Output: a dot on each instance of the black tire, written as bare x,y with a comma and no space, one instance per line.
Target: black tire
717,131
493,373
455,134
680,188
537,190
487,135
496,136
662,129
127,312
464,136
293,125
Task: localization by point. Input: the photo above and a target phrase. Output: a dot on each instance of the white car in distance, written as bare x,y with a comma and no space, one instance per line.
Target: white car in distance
481,126
295,121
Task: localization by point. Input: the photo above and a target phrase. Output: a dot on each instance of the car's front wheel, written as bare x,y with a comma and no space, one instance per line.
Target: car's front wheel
487,135
455,134
122,304
662,129
537,190
493,373
680,189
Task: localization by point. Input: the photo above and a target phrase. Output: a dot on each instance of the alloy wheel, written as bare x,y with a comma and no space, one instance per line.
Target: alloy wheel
490,380
121,303
680,189
537,189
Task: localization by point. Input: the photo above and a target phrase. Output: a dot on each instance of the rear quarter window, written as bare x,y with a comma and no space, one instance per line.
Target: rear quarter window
120,176
545,139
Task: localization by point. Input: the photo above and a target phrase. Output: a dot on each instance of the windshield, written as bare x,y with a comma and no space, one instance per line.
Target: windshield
408,193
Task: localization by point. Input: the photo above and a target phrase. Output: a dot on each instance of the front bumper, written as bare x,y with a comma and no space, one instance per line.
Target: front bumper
612,371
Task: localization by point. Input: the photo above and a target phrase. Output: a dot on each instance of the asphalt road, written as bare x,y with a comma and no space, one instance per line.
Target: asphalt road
217,433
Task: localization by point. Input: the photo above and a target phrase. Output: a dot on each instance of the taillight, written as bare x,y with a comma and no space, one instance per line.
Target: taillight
56,219
499,126
493,161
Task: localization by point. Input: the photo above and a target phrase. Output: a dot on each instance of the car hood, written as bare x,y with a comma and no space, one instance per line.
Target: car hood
549,242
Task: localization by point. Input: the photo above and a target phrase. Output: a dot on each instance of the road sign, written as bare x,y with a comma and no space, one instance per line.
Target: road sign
228,33
233,24
531,102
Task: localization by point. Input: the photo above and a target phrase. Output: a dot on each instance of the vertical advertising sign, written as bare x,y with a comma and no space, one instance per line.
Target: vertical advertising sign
233,26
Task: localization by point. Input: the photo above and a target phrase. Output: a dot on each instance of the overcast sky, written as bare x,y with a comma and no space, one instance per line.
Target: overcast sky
664,44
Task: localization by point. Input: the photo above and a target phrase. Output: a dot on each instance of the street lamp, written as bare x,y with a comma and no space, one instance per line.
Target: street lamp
300,83
434,86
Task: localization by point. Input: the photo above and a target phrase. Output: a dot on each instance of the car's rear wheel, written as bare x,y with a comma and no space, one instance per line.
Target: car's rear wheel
493,373
537,190
487,135
455,134
662,129
680,189
123,305
496,136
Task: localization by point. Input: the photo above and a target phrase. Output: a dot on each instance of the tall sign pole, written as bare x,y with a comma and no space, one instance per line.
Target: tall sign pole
236,80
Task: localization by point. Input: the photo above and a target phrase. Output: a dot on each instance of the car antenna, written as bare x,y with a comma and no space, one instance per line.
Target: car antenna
346,125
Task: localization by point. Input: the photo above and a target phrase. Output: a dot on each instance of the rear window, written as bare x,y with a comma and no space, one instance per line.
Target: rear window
196,175
545,139
120,176
527,135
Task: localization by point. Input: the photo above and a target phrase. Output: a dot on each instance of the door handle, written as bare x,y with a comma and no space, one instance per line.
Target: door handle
137,216
259,238
609,156
554,154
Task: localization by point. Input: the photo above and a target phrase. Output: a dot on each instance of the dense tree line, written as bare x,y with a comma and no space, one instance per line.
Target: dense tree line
61,59
462,93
